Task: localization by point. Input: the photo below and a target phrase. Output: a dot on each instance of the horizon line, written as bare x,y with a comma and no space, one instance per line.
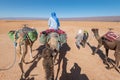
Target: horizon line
61,17
97,18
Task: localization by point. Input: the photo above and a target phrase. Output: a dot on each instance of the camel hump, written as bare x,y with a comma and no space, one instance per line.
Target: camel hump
111,36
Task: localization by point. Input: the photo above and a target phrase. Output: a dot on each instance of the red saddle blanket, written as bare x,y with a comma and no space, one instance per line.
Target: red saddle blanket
52,30
111,36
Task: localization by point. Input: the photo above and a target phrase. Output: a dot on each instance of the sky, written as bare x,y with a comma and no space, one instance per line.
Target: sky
63,8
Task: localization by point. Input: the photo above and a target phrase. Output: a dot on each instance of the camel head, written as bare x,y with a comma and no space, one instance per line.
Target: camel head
11,34
53,41
94,29
12,31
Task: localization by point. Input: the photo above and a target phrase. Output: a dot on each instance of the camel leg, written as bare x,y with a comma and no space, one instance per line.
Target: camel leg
31,57
117,59
18,49
99,45
77,44
85,37
106,58
23,53
83,43
21,66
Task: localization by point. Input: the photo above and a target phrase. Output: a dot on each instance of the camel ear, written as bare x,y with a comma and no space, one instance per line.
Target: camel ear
92,29
97,29
11,31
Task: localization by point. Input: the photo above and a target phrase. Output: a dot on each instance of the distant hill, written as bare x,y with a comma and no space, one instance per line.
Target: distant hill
23,18
104,18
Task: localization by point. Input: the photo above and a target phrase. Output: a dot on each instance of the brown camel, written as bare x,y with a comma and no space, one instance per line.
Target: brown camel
48,64
112,45
49,55
21,42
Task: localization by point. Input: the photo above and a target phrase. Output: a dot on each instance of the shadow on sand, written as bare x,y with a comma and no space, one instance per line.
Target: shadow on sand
62,54
102,55
75,70
99,52
75,73
34,64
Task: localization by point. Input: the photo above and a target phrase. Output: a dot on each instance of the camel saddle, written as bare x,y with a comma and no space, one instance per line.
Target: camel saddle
111,36
44,38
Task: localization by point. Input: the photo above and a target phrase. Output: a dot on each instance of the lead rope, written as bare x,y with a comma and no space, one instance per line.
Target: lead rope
10,66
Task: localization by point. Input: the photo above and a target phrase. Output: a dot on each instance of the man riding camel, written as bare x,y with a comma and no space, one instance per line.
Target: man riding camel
54,25
53,22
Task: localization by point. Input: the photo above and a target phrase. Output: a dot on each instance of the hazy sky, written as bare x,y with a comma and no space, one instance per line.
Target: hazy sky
63,8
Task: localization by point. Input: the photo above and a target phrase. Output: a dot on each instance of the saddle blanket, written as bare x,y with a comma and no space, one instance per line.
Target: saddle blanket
111,36
52,30
44,35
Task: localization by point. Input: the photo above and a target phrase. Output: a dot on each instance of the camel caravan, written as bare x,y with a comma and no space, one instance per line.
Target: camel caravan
53,41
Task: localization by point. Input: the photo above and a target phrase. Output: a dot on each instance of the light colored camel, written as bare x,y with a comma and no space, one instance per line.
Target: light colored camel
81,38
53,43
21,42
112,45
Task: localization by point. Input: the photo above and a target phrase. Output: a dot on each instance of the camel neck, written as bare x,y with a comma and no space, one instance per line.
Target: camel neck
97,36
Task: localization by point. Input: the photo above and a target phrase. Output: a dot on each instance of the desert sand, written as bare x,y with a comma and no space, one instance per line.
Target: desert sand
75,64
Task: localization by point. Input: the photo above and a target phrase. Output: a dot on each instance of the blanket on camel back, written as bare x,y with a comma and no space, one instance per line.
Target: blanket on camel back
25,31
44,36
111,36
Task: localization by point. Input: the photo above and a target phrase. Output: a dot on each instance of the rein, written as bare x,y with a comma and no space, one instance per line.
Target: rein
10,66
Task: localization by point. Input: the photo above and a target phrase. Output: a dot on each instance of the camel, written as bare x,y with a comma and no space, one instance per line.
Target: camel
21,43
50,53
48,64
108,45
53,43
81,38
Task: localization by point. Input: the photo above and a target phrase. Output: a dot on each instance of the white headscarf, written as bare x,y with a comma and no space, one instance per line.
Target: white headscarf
80,31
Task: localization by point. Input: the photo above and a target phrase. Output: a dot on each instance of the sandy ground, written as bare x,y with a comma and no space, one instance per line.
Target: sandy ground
75,64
